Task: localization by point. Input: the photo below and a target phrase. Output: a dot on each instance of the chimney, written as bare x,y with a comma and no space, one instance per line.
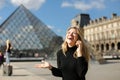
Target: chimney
104,18
114,15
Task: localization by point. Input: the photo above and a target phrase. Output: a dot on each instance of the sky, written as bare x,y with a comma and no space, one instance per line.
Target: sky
57,14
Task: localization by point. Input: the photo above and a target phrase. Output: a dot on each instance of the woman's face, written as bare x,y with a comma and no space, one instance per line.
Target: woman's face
71,37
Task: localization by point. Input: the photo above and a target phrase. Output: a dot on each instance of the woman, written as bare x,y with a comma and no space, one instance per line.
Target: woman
8,51
72,59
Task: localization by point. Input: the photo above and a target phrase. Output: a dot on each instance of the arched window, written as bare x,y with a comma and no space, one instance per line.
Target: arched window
118,45
107,46
102,47
97,47
113,46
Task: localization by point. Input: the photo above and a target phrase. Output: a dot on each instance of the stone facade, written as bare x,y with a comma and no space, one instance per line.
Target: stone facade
104,34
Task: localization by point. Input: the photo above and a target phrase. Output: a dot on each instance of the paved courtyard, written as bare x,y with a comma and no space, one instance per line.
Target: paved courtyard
27,71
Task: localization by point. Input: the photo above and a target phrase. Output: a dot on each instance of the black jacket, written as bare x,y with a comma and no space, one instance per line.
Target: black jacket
70,68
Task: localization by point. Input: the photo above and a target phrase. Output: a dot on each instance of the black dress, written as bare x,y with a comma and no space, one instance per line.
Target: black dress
70,68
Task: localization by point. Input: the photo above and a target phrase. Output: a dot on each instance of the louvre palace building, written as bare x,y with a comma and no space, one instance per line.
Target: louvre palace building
28,35
102,34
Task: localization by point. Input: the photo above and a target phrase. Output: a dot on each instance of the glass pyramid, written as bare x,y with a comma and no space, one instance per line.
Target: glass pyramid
27,33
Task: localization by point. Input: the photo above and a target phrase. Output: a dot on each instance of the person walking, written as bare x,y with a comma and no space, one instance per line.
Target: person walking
8,52
72,58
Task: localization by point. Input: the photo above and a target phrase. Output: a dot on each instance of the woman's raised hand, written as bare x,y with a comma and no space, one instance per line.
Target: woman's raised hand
43,64
79,48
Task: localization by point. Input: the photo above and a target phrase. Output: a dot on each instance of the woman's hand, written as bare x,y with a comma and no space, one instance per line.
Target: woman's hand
44,64
79,48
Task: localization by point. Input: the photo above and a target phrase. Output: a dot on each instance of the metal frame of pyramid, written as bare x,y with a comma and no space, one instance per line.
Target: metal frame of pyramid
28,34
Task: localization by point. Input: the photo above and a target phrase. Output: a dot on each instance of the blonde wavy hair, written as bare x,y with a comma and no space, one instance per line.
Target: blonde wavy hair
85,49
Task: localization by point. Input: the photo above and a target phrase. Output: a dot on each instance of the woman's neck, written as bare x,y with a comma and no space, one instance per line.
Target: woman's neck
70,45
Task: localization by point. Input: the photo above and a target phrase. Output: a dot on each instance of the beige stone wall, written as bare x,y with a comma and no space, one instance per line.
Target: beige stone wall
104,34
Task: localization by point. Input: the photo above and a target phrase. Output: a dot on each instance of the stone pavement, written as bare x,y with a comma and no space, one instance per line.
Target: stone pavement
108,71
27,71
20,74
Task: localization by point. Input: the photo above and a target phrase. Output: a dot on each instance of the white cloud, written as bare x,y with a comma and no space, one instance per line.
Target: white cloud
84,4
66,4
98,4
51,27
2,2
30,4
59,30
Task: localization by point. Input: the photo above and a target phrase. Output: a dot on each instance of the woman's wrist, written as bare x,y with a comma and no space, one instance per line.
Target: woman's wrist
79,54
50,67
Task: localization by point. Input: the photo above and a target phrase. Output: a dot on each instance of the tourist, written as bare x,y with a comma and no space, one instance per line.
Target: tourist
72,59
8,52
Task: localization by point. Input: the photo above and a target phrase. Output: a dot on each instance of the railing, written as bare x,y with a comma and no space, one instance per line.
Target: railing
26,59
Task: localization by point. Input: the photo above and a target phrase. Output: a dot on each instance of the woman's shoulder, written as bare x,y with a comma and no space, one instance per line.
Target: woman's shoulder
59,52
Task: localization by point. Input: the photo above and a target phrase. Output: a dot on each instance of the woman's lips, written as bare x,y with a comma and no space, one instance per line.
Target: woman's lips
70,38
